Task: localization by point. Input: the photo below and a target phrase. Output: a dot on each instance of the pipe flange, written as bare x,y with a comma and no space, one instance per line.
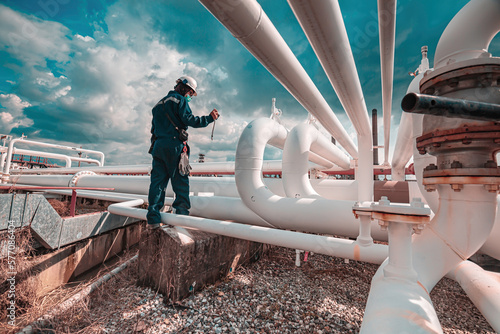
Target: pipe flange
464,136
462,172
465,75
490,183
74,180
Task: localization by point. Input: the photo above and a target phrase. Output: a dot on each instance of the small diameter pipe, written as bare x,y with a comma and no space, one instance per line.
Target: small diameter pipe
30,142
343,248
450,107
403,149
43,321
483,289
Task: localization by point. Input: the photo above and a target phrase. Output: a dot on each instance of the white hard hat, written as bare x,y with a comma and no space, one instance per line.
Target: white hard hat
188,81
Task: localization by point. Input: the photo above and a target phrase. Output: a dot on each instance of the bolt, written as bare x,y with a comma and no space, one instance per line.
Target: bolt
430,187
431,167
384,201
457,187
466,141
416,202
490,164
456,164
492,188
383,225
417,228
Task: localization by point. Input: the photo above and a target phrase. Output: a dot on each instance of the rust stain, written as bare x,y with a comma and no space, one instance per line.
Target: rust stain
423,287
357,253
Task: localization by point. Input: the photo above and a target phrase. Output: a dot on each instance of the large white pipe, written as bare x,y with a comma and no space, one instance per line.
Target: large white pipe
459,228
403,148
469,33
203,186
387,36
483,289
405,140
248,23
302,139
320,215
213,207
344,248
324,27
121,169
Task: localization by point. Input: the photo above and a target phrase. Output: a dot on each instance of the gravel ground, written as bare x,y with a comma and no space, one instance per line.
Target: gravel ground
324,295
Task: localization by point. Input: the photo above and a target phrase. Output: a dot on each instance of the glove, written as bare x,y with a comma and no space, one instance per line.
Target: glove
184,167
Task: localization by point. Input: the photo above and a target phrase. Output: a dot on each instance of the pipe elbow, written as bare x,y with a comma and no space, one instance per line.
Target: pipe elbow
469,33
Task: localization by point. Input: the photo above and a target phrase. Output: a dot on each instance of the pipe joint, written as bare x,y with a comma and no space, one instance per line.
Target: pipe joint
401,222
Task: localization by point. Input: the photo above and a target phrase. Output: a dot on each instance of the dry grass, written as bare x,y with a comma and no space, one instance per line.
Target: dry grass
28,306
25,285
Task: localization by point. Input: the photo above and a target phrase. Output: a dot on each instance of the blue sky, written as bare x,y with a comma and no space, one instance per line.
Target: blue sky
87,72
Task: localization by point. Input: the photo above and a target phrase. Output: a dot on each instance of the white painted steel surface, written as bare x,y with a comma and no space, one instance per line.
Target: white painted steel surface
248,23
344,248
387,37
321,215
469,33
482,287
302,139
324,27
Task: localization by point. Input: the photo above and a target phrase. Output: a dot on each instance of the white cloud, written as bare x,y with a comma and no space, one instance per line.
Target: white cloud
101,89
85,38
13,115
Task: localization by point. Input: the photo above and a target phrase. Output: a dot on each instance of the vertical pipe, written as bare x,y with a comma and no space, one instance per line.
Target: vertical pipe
387,36
375,136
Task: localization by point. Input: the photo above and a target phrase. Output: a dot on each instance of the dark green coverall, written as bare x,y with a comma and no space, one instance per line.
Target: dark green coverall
166,153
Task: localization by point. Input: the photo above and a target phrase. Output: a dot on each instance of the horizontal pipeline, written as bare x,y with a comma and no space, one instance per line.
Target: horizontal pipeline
451,108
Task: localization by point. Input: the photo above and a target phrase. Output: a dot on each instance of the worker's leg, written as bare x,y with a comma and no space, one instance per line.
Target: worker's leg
180,184
156,197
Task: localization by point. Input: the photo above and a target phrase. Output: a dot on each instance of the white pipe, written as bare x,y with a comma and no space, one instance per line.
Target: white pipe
206,186
344,248
387,36
214,207
66,158
203,186
320,215
405,138
469,33
302,139
30,142
403,148
492,247
324,27
459,228
483,289
248,23
124,169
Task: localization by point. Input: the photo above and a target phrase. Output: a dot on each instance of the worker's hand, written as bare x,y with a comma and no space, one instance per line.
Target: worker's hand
215,114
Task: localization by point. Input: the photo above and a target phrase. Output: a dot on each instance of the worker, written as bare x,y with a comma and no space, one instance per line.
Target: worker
171,118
